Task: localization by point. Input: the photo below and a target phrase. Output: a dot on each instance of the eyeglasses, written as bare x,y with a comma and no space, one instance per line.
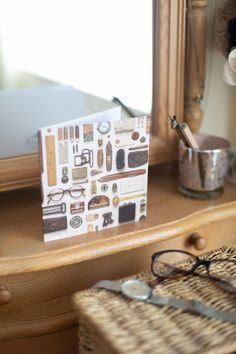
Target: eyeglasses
221,271
57,194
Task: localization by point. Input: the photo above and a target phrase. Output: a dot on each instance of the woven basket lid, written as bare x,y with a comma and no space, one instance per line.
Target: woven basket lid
110,323
224,15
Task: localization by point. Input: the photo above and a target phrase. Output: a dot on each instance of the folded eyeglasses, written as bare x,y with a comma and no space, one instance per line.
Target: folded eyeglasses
222,272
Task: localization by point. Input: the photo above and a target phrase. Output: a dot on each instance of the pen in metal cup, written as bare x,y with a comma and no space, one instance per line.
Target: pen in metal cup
184,133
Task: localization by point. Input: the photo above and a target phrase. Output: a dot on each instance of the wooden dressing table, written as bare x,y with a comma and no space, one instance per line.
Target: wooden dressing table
38,279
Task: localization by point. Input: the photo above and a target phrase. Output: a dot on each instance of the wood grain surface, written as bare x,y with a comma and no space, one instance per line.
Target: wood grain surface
65,342
195,63
169,215
42,277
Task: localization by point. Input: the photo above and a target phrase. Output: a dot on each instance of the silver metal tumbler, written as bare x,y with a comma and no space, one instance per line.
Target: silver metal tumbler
202,171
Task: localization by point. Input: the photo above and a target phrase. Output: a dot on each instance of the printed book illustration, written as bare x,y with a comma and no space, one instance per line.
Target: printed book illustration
94,173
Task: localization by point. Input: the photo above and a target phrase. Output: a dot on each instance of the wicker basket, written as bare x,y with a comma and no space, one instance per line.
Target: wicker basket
110,323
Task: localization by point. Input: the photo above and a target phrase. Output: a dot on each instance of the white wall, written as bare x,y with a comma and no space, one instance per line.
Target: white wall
220,98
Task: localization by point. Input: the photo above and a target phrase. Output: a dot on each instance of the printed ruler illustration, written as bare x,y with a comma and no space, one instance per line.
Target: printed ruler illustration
94,173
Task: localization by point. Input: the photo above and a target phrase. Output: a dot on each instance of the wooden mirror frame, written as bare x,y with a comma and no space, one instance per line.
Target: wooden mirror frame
169,53
168,75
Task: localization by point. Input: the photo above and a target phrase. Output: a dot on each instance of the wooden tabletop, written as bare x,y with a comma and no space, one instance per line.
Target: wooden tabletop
169,214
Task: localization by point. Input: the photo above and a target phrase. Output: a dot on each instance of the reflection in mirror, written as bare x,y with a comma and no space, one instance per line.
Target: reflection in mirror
101,48
219,100
136,19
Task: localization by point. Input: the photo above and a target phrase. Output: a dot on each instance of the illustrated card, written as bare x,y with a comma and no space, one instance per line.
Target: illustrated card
94,173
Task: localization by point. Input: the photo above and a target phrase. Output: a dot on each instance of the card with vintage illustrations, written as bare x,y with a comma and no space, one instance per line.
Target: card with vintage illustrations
94,173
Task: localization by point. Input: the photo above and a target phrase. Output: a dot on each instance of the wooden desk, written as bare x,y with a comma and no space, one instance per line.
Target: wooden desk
39,278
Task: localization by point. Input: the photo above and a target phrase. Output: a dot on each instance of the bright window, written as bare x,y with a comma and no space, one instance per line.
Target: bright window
103,47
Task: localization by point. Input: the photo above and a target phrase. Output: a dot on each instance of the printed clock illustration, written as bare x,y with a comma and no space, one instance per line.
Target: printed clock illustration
104,127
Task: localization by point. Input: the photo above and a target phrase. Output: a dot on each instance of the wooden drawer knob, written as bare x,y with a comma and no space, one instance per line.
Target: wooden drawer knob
5,295
197,241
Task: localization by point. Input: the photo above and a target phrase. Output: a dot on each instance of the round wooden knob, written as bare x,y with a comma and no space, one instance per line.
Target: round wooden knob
5,295
197,241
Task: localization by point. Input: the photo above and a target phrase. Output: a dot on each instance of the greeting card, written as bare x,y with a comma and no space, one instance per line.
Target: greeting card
93,173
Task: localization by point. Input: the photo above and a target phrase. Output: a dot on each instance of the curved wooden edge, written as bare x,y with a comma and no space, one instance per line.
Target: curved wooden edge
19,172
41,319
37,327
117,244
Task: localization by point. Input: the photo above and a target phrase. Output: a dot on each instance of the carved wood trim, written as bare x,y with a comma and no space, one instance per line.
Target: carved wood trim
19,172
168,73
195,62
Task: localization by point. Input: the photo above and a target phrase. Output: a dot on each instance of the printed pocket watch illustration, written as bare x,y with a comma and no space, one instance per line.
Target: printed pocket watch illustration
104,127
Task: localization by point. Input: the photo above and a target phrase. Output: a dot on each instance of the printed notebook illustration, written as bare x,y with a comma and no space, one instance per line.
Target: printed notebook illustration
94,173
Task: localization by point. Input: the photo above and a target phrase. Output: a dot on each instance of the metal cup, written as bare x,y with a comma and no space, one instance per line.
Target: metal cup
202,171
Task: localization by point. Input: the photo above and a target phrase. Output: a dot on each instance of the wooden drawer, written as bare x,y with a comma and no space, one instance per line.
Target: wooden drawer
37,280
40,302
32,288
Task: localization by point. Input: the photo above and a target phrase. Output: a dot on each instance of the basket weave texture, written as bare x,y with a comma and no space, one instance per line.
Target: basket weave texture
111,323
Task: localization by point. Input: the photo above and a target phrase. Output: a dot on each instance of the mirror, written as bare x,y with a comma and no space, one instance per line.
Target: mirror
219,101
149,64
64,59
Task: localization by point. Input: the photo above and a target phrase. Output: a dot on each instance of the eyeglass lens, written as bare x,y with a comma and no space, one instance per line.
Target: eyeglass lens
76,192
56,194
170,264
